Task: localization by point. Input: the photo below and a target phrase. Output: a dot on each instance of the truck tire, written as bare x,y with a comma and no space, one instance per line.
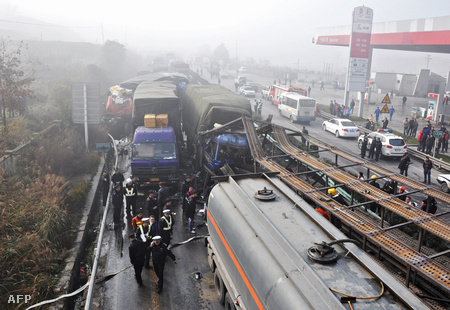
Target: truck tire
444,187
220,286
229,304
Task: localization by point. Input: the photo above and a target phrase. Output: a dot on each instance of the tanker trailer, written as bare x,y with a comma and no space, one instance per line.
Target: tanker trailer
269,249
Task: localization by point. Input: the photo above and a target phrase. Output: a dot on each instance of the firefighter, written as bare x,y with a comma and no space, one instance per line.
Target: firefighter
336,196
373,181
137,220
159,252
165,226
323,212
390,186
131,197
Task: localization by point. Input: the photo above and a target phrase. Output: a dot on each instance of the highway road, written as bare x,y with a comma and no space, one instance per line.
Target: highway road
181,288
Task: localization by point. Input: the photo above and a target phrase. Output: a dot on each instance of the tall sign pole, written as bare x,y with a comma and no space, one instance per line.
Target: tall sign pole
86,106
86,136
360,54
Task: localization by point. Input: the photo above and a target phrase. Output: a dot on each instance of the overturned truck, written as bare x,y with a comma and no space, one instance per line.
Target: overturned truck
214,138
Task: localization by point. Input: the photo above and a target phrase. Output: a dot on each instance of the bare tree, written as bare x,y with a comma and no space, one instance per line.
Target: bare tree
16,76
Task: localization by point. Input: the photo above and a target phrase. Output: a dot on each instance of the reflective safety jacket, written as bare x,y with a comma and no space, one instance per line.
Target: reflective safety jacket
130,191
136,222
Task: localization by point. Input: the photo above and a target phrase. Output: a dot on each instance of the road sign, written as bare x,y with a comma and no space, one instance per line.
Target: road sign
385,109
386,100
437,134
86,103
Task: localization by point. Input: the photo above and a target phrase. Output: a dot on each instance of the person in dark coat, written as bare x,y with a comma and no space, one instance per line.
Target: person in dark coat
427,166
378,147
364,146
117,201
151,203
190,209
165,226
430,143
184,189
404,164
429,205
137,250
105,186
159,252
385,123
117,178
163,194
372,148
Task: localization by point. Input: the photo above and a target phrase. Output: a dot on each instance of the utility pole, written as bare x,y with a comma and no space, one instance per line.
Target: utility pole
428,60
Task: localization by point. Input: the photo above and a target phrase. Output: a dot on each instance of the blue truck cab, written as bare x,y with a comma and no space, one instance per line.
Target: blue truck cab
154,155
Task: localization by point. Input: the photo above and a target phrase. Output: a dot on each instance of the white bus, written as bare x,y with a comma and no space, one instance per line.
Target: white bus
297,108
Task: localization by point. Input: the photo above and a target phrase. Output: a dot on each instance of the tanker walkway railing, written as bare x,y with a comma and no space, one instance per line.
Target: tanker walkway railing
411,151
413,260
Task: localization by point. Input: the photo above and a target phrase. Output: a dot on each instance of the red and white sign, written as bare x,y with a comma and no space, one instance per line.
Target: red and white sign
432,95
358,69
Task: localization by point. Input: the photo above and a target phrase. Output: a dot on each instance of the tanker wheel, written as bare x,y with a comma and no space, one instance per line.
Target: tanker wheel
220,286
229,304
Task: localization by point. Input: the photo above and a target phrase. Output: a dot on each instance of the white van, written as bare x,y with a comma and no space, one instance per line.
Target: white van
297,108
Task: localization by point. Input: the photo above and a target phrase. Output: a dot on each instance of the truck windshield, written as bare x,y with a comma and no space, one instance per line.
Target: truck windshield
154,151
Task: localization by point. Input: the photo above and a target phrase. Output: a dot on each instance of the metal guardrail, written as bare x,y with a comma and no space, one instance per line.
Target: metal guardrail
90,293
411,151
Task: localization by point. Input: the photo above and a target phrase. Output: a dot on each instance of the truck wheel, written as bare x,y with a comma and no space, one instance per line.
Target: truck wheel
229,304
444,187
220,287
291,119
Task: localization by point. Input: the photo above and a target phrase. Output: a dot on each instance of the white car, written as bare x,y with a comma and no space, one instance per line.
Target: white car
224,74
444,181
341,127
247,91
393,145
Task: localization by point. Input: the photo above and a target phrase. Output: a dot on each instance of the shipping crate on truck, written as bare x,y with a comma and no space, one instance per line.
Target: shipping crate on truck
150,120
162,120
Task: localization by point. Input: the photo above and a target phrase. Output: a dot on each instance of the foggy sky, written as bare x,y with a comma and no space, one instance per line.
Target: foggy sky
278,31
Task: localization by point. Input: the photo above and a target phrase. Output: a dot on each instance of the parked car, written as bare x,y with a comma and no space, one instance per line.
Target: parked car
247,91
240,80
444,181
393,145
256,87
243,69
224,74
341,127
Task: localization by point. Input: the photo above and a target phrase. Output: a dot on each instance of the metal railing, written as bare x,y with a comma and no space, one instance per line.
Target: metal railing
90,293
411,151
